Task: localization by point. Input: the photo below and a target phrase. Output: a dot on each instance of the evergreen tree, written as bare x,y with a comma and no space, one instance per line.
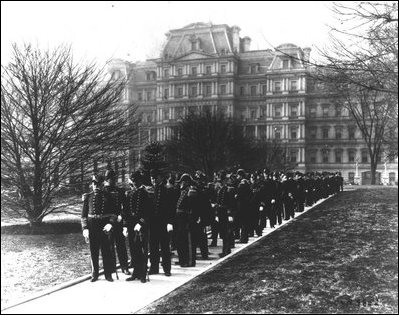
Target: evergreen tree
154,157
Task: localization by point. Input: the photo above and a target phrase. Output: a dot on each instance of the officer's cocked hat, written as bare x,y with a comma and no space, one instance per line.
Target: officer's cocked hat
241,172
185,178
110,174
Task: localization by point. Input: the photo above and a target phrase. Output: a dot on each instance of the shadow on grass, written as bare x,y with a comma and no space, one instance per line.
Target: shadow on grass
42,229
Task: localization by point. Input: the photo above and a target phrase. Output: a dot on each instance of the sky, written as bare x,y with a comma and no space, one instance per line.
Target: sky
135,30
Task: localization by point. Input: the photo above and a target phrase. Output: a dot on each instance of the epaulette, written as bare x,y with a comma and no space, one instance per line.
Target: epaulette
128,192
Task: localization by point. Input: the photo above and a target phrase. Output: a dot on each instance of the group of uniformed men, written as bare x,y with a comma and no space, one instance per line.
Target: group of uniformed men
172,214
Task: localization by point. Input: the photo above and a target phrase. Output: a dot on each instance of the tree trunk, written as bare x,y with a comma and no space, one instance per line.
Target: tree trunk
373,170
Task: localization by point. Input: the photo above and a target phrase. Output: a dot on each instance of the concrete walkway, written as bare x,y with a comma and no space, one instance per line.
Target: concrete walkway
80,296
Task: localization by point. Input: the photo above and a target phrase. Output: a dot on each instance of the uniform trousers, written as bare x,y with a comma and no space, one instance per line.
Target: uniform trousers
159,238
138,243
186,247
100,241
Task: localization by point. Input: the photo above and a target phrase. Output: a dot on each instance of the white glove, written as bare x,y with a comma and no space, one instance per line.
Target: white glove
230,219
124,232
199,220
216,219
261,208
119,218
86,235
137,227
169,227
273,200
107,228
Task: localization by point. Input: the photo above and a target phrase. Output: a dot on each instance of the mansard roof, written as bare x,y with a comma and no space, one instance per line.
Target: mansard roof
213,40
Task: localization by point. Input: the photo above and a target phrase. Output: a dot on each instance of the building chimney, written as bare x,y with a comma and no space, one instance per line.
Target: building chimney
246,43
236,38
306,53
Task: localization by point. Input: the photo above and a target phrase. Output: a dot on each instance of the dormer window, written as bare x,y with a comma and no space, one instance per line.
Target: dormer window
286,63
195,43
150,76
117,74
254,68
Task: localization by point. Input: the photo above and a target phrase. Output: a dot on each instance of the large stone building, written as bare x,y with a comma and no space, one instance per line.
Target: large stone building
210,66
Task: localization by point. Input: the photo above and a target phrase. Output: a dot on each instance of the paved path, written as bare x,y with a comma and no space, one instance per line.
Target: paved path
80,296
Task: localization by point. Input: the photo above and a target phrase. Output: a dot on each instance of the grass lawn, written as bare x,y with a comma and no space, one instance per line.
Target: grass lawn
340,257
32,263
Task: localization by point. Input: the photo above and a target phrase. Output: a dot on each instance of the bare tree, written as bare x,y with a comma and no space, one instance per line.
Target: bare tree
360,68
371,109
57,117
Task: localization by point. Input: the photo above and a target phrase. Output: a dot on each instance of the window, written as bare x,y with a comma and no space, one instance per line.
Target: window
180,92
153,134
223,69
208,90
148,76
242,90
312,111
325,153
140,96
166,93
338,156
325,133
208,69
392,178
313,132
294,131
277,86
312,156
166,73
262,132
364,156
338,111
149,96
277,133
194,70
180,72
149,118
351,177
277,110
351,132
325,110
250,131
351,155
253,90
294,110
117,74
262,111
294,86
193,91
166,114
285,64
179,112
253,69
223,89
264,89
293,156
338,132
253,113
